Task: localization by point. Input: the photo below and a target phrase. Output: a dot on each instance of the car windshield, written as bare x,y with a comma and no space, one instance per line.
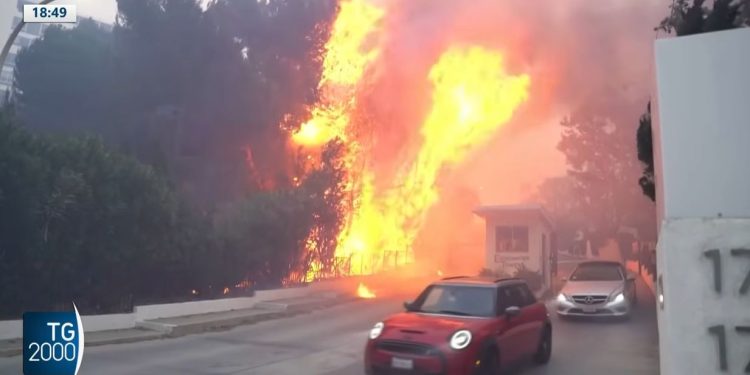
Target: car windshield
597,272
457,300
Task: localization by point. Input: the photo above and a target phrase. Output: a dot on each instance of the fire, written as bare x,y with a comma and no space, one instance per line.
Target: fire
346,59
364,292
472,97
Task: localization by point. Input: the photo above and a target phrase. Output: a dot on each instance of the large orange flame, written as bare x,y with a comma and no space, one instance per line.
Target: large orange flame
472,97
346,59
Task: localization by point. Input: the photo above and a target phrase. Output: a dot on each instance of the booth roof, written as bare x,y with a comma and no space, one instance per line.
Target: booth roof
488,210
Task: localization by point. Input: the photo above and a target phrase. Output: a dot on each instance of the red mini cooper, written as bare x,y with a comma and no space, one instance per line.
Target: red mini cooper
462,326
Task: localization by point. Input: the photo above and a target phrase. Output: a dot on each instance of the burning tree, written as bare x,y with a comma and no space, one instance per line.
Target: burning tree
382,212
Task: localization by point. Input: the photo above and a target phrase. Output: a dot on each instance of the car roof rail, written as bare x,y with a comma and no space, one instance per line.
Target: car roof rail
454,277
508,279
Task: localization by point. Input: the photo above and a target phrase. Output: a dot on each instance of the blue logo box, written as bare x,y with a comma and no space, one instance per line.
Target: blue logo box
52,343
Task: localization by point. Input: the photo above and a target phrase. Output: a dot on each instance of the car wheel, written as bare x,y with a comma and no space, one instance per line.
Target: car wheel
544,349
490,364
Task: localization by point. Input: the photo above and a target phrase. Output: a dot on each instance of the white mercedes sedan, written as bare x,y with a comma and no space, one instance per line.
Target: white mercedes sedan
597,288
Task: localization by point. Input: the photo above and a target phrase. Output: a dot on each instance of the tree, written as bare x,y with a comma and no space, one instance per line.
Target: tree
560,198
63,80
225,77
602,163
687,17
644,142
192,185
80,222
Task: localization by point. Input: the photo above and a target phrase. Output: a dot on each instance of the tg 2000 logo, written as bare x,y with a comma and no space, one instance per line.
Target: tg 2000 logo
52,343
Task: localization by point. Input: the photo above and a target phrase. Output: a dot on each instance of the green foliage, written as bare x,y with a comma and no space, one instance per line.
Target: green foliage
193,100
692,17
184,89
644,142
78,222
63,80
533,278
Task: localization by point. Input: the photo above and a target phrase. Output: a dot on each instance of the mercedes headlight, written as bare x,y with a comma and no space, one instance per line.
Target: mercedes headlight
619,298
376,330
461,339
562,297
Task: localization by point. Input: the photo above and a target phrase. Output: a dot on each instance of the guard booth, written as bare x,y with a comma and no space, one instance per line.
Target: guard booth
519,236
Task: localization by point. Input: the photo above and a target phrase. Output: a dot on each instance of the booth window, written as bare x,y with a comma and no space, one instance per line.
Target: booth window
511,239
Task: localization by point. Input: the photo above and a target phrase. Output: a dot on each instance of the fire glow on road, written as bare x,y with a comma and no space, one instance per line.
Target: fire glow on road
364,292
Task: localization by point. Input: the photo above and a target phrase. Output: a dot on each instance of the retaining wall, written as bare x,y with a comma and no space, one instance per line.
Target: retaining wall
11,329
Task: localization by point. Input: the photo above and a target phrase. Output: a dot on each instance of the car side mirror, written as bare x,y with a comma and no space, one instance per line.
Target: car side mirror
512,311
563,279
408,306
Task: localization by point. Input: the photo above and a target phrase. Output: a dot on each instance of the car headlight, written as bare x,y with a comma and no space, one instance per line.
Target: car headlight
562,297
619,298
461,339
376,330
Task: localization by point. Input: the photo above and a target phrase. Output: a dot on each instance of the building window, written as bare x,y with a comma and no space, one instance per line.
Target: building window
11,60
6,77
23,41
511,239
34,28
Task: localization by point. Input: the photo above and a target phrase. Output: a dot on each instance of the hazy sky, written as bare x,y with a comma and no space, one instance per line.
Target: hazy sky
101,10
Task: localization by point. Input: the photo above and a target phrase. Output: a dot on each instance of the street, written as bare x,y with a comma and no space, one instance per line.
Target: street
593,347
330,342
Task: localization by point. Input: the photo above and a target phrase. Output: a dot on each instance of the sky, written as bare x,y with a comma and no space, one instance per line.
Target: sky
101,10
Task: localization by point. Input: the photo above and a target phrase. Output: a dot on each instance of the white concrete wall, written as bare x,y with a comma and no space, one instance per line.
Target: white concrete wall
691,305
107,322
703,123
10,329
148,312
702,149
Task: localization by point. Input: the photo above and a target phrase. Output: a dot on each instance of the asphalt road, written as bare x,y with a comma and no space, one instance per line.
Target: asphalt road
586,347
330,342
308,344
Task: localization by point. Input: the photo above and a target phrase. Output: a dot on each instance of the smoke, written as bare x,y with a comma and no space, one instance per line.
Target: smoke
581,55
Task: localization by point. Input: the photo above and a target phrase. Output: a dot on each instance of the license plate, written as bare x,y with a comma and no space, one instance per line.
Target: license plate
589,310
400,363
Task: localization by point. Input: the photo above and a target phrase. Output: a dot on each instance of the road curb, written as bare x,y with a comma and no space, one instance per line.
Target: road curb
11,352
277,311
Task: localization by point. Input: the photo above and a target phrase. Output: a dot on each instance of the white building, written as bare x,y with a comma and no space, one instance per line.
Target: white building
28,34
518,235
